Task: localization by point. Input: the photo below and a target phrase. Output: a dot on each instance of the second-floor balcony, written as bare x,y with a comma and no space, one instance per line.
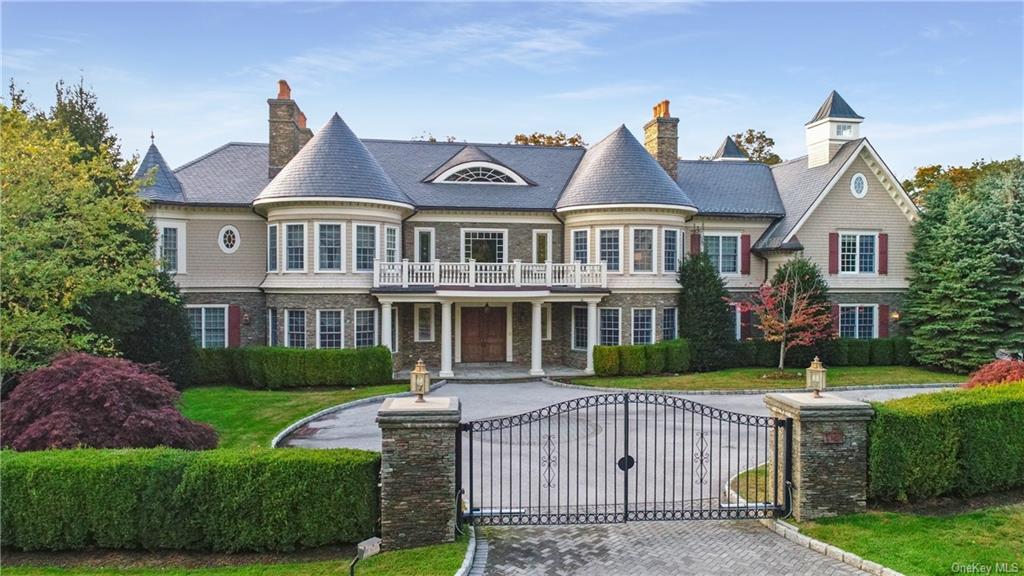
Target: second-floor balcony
473,274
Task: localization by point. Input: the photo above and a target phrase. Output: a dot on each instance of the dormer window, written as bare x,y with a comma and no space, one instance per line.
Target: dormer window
480,173
844,130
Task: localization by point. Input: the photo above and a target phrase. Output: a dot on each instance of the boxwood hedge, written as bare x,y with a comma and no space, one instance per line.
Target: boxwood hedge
221,500
666,356
276,367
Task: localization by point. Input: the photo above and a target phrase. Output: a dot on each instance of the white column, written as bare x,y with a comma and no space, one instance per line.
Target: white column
536,351
446,340
591,334
385,326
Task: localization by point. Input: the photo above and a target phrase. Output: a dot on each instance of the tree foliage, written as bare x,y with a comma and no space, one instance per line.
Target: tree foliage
559,138
962,178
758,146
706,320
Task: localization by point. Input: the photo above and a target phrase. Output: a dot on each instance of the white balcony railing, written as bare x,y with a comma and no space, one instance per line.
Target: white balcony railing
471,274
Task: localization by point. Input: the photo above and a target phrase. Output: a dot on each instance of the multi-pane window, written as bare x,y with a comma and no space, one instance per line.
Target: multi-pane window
857,253
169,249
366,328
329,328
425,245
329,247
390,244
579,328
295,328
857,321
608,248
208,325
643,325
581,246
669,324
541,246
723,251
643,250
670,250
272,327
424,323
608,326
272,248
483,246
295,246
844,129
366,247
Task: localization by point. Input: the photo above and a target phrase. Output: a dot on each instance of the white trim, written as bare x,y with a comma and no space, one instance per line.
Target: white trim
547,325
202,322
416,244
654,250
272,323
831,119
342,312
856,325
305,249
632,325
622,242
355,245
181,227
220,239
458,325
533,246
738,328
619,310
739,251
679,251
682,208
519,181
853,189
277,248
572,328
287,328
505,248
316,247
497,216
839,254
572,245
376,326
416,322
300,199
398,242
661,331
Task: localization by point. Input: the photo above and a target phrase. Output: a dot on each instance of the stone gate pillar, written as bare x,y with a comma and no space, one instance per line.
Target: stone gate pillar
417,489
829,453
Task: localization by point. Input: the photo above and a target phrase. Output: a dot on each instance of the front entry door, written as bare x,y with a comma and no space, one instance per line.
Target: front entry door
483,334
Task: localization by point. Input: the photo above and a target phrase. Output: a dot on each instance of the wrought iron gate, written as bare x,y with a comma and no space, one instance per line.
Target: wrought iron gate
619,458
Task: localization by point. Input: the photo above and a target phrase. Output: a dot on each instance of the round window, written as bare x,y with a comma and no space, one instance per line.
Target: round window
229,239
859,185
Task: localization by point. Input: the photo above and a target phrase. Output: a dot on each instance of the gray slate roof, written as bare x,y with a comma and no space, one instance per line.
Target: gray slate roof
618,170
335,163
232,174
835,107
729,150
730,188
799,186
165,186
469,153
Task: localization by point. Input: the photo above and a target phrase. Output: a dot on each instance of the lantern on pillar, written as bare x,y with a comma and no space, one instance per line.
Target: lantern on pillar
419,380
816,377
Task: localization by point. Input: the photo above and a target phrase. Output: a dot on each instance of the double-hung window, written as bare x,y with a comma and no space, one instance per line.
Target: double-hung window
295,328
609,248
170,246
541,246
329,247
670,250
669,324
365,245
272,248
208,325
858,321
579,328
608,326
643,325
643,249
581,246
724,252
424,244
366,328
392,250
295,247
857,253
424,320
329,328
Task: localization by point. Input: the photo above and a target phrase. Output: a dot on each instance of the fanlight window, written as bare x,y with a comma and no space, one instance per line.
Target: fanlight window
480,174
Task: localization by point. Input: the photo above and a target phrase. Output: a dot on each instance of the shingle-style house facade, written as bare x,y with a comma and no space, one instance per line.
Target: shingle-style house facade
463,253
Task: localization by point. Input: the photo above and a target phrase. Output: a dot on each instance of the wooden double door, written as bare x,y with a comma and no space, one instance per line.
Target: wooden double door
483,334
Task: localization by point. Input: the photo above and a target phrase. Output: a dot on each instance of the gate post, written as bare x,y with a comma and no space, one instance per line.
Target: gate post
417,471
829,455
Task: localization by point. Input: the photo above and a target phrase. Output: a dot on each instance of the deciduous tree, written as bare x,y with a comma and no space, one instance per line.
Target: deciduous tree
758,146
541,139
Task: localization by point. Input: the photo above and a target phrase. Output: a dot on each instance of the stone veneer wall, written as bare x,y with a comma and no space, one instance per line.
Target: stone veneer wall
252,305
893,299
448,238
409,351
626,301
313,302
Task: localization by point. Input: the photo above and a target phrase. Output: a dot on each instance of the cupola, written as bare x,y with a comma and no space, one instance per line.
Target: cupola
834,124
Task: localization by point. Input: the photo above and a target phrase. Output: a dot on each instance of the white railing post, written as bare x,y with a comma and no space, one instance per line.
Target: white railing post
578,269
472,272
604,275
436,272
517,272
547,273
405,273
376,273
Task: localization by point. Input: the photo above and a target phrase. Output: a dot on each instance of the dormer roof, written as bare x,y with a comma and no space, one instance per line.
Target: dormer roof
471,154
835,107
729,151
165,186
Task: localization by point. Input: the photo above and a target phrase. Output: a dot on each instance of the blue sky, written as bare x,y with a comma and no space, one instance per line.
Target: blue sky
937,82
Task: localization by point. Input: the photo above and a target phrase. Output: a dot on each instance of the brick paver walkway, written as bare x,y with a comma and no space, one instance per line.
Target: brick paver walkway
702,548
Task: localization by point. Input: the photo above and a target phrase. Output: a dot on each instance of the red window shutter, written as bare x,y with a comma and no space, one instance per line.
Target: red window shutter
833,253
234,326
883,320
745,257
835,318
695,243
883,253
746,324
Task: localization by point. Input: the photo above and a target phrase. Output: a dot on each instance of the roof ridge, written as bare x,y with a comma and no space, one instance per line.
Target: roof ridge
477,144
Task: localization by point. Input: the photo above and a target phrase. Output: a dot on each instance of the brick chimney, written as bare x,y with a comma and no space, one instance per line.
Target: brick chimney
288,132
661,138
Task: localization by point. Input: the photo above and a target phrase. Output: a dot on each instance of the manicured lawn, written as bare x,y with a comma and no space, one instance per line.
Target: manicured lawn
246,418
917,544
752,485
769,378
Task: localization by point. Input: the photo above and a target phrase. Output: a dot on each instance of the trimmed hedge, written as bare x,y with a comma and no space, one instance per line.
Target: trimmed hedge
606,360
655,358
963,442
841,352
677,356
276,367
901,351
161,498
632,360
881,352
858,352
666,356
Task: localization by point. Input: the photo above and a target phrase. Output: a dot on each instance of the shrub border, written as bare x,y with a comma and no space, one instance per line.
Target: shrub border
561,384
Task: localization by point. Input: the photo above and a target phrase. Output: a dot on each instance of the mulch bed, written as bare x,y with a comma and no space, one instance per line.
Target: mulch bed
99,558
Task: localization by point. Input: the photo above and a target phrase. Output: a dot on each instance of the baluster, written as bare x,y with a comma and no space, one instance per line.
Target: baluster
405,273
472,272
578,269
517,273
436,272
548,272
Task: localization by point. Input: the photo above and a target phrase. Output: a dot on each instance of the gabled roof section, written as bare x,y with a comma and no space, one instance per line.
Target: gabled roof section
741,189
165,186
618,170
835,107
729,151
471,154
334,164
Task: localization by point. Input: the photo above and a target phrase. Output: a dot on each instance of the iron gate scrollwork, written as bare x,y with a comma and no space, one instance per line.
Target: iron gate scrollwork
622,457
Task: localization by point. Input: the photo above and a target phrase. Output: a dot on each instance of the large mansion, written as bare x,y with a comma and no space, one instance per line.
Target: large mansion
465,253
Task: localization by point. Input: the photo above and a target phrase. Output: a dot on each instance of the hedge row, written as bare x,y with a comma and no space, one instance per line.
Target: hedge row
963,442
275,367
842,352
667,356
222,500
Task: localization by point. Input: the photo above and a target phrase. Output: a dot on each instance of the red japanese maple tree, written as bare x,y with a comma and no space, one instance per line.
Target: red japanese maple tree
788,314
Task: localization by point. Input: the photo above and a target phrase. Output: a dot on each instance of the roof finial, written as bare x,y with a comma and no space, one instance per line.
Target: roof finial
152,138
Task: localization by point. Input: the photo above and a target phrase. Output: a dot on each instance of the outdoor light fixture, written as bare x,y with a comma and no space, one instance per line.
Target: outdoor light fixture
895,315
419,380
816,377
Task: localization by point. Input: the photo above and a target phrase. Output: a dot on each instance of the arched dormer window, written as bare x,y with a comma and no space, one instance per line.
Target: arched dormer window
480,173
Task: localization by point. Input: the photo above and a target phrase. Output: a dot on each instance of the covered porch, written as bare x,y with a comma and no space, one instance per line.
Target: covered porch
498,372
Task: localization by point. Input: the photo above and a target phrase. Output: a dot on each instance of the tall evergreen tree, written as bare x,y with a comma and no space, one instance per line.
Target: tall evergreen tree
706,320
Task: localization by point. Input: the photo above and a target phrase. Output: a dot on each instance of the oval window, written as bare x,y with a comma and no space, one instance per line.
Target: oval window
859,185
229,239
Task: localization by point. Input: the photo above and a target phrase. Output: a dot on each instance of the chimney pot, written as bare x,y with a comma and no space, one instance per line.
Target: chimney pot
284,91
661,109
301,119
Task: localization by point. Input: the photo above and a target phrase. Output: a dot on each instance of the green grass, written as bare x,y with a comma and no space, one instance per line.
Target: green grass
752,485
244,418
924,545
769,378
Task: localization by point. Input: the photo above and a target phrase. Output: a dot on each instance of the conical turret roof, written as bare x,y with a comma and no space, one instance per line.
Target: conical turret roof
165,187
729,151
835,107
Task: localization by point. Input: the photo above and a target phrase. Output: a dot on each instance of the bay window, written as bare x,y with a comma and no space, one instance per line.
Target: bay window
609,245
329,247
581,246
670,250
295,247
643,250
365,245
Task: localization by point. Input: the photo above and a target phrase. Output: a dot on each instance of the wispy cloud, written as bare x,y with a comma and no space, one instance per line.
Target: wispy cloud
619,9
909,130
948,29
605,92
24,59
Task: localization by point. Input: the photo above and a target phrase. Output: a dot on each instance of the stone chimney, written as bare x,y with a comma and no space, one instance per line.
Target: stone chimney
288,132
661,138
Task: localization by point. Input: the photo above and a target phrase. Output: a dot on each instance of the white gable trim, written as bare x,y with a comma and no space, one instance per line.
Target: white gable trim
903,197
518,180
